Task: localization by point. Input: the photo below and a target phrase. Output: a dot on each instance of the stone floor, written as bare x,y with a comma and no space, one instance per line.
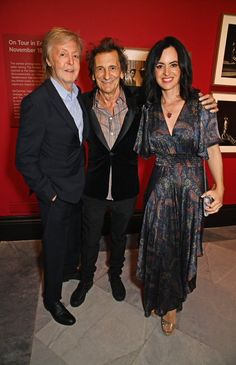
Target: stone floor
117,333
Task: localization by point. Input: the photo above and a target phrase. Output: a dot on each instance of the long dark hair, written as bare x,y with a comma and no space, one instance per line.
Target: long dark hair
152,89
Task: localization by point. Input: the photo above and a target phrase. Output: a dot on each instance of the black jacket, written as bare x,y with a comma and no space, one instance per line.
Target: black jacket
122,158
49,153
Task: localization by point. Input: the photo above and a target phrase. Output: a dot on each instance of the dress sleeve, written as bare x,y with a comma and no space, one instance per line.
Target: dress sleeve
142,144
209,132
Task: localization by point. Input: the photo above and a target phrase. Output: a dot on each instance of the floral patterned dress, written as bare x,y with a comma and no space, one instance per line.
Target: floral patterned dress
171,235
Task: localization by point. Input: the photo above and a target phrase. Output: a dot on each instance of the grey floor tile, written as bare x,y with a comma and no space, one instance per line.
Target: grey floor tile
209,317
105,330
117,333
176,349
19,285
219,233
41,355
221,262
125,359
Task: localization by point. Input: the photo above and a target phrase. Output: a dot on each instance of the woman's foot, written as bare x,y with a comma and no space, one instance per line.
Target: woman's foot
154,313
168,322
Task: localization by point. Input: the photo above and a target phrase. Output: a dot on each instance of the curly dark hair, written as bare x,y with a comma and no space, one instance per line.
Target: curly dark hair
107,44
152,89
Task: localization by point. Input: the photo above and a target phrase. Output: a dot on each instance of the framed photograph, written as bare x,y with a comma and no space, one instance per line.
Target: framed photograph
136,66
225,69
227,120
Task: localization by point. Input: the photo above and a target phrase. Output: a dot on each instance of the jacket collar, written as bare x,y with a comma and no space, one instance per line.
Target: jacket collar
62,109
132,105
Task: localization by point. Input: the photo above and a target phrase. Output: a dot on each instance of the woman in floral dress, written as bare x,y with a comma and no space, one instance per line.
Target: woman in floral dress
181,134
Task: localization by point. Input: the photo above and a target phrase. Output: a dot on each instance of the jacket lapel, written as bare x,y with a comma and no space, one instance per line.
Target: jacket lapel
126,125
131,103
132,107
85,117
88,100
60,106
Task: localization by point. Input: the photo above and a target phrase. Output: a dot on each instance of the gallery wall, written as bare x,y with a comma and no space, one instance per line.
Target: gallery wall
137,24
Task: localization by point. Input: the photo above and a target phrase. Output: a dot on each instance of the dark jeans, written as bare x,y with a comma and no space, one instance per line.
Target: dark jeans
93,212
60,248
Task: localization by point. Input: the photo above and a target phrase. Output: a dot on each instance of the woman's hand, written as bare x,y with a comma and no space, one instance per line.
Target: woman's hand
215,206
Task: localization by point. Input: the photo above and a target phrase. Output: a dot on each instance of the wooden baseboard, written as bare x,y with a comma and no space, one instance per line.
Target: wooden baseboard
29,228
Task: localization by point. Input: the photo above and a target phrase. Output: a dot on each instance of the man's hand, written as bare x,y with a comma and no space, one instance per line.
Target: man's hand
208,102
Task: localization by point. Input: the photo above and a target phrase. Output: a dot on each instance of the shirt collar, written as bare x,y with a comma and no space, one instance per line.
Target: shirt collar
65,94
121,98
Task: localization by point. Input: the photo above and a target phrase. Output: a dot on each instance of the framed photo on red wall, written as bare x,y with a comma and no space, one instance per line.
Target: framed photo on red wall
225,68
226,120
136,66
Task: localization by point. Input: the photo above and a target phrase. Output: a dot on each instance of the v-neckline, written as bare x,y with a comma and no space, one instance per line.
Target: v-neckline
177,119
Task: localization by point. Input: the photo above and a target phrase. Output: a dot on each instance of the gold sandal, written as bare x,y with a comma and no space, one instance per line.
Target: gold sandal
154,313
167,327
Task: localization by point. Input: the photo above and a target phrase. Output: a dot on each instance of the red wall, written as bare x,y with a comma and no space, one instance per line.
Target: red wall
136,24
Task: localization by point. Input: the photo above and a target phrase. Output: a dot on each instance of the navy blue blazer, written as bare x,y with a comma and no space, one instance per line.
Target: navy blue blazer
49,153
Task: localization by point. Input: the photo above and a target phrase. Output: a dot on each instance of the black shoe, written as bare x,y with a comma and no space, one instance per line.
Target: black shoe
78,296
75,275
117,287
60,313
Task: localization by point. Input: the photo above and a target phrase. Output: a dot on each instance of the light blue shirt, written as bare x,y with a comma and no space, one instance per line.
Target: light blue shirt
71,102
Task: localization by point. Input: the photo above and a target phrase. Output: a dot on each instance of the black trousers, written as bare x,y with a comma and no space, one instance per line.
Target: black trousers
74,241
61,244
93,212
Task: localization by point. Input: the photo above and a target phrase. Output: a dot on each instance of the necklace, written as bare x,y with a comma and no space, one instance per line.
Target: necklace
168,113
174,108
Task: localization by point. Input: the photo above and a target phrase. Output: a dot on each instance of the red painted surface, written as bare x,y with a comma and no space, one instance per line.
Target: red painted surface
137,24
